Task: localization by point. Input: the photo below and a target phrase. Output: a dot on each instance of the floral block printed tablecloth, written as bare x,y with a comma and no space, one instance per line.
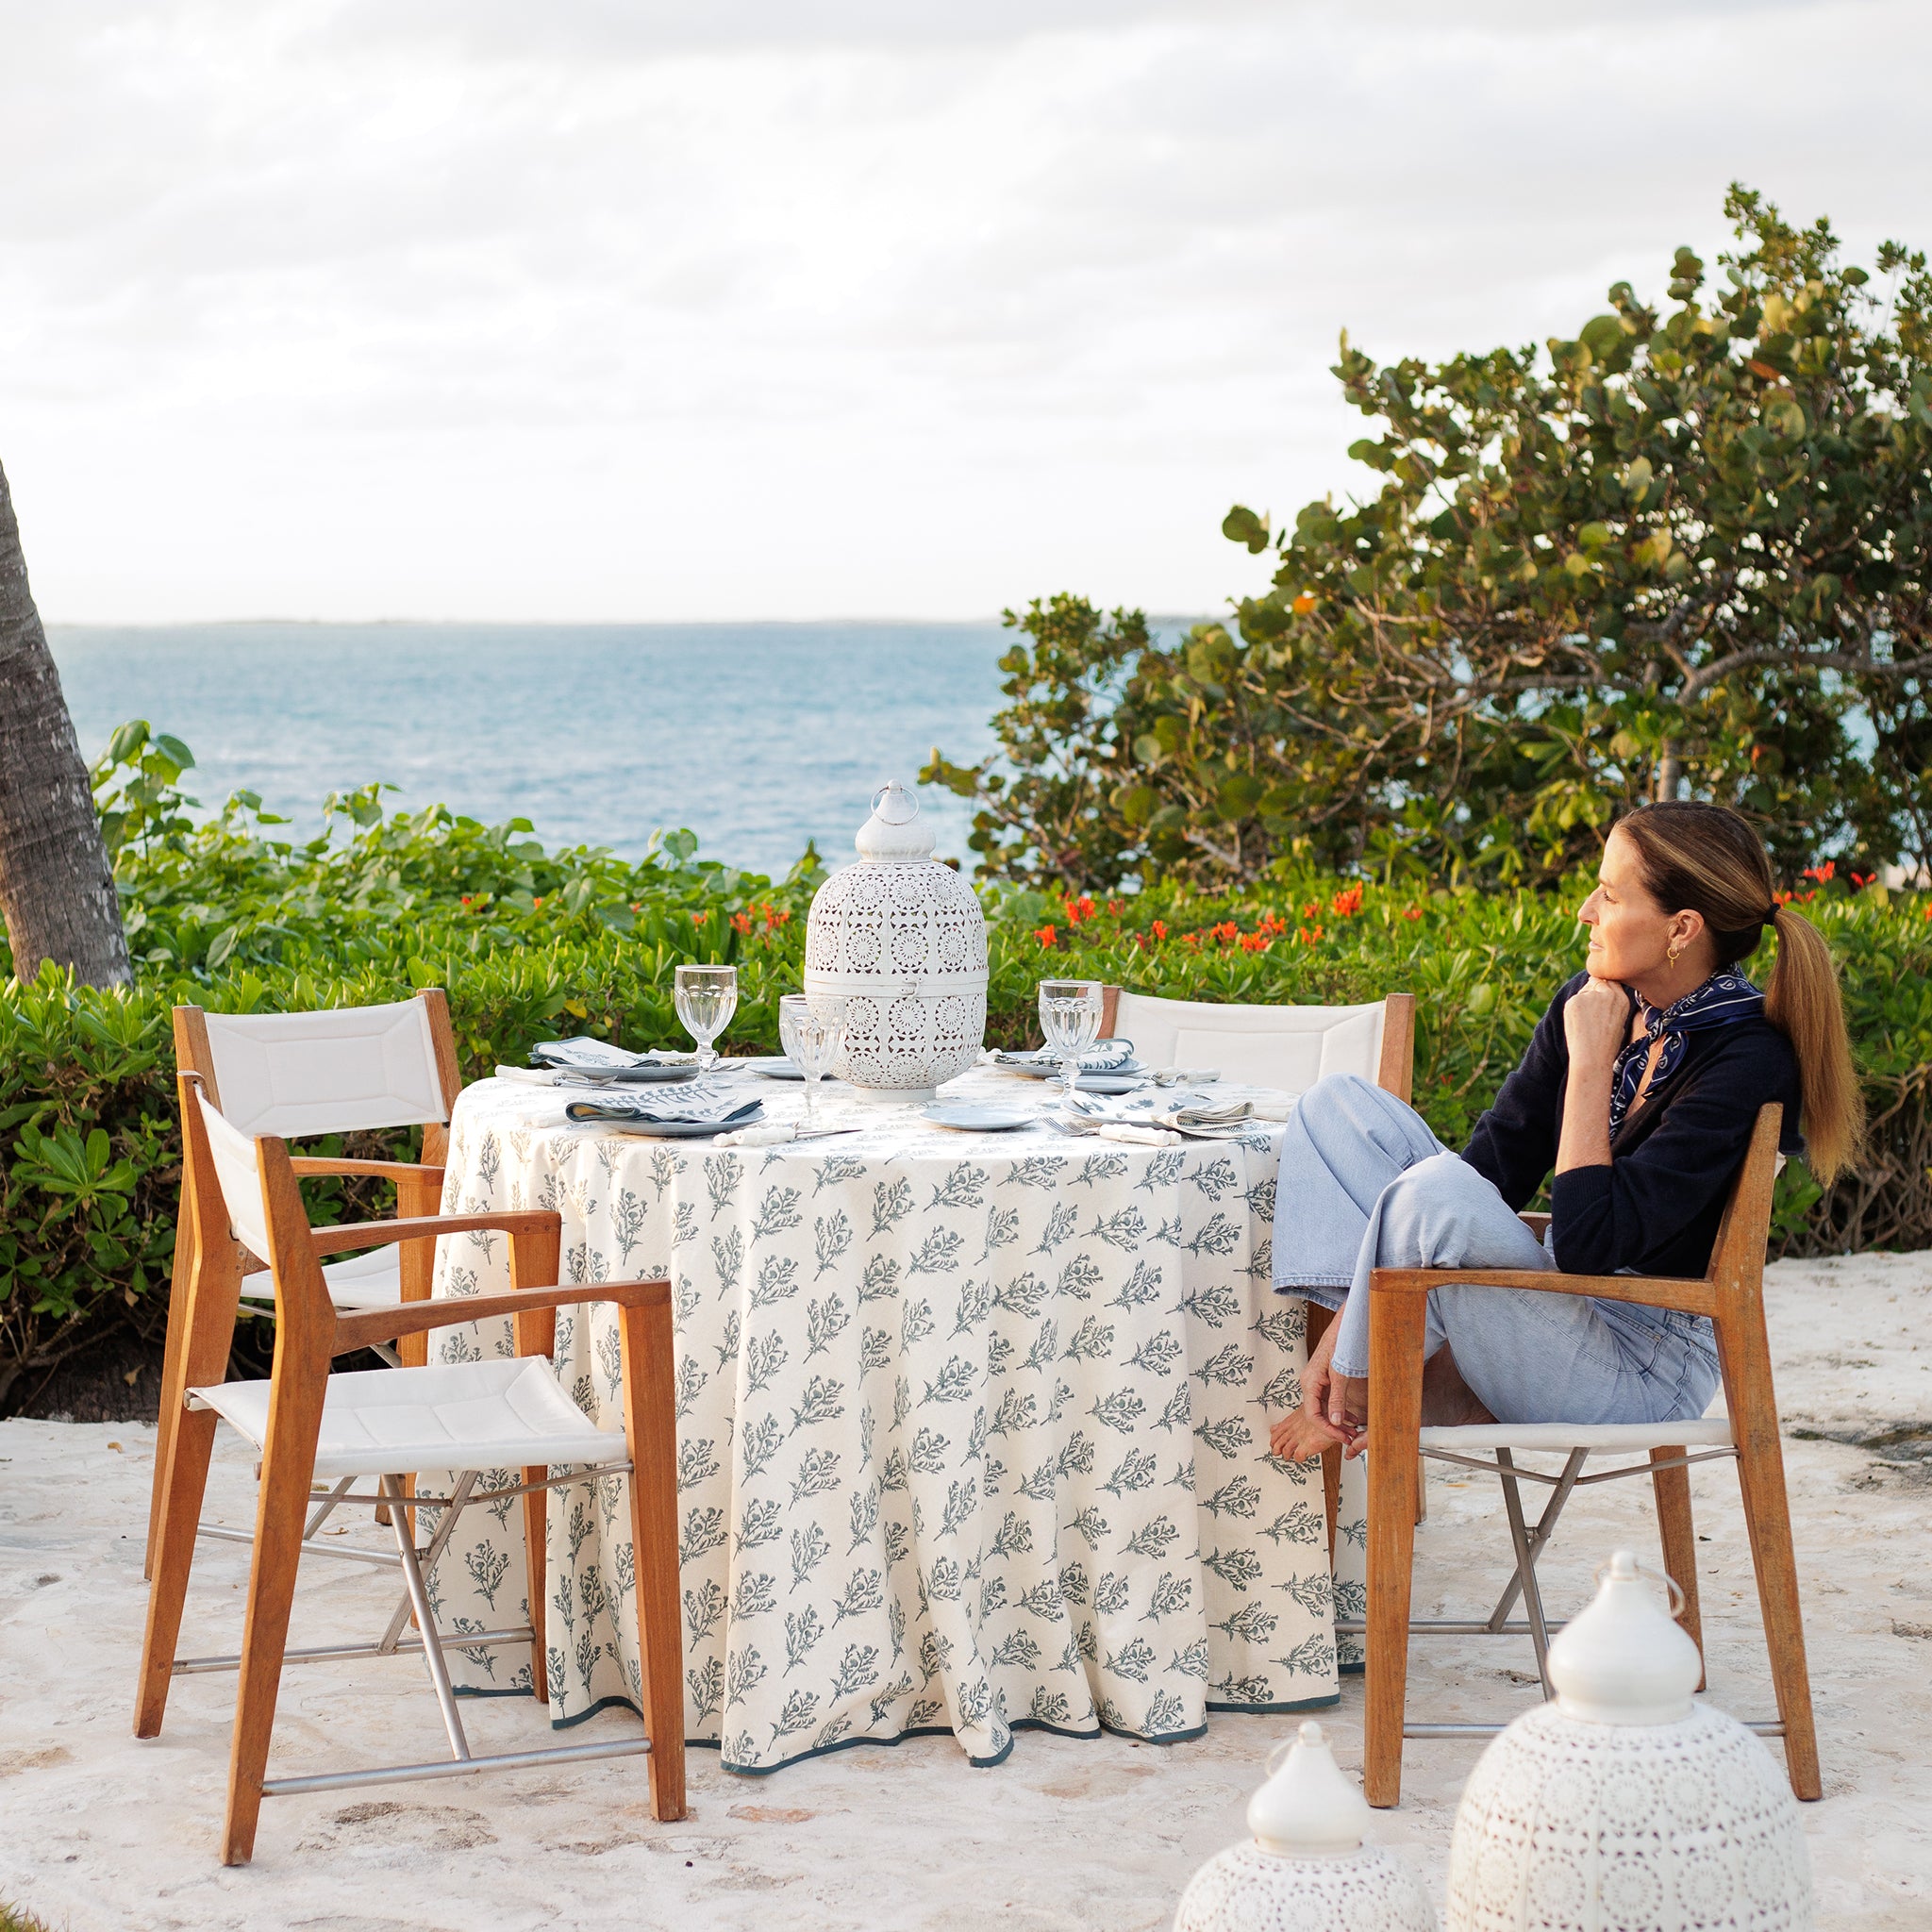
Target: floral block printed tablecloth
972,1429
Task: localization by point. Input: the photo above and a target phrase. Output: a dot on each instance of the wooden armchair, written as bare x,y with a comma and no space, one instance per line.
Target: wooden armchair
475,1416
1731,1293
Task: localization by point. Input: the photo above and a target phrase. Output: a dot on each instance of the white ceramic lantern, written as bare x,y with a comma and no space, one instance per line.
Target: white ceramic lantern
1305,1869
1623,1803
901,939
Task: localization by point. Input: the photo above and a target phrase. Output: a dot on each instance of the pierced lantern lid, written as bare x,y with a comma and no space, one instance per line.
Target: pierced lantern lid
1309,1808
1623,1659
895,834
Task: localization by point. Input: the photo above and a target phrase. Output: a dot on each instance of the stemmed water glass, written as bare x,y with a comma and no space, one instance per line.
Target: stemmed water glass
1070,1019
813,1035
707,998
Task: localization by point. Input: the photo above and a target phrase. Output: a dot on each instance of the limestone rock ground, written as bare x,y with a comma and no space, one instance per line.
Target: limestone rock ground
99,1831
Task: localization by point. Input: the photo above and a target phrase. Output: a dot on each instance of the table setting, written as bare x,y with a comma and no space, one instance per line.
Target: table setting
974,1369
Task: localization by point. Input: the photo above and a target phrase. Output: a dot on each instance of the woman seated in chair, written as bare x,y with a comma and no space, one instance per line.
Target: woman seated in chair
1640,1090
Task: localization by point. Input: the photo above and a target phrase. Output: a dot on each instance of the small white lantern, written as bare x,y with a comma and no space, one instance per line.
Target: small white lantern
1624,1805
1307,1869
901,939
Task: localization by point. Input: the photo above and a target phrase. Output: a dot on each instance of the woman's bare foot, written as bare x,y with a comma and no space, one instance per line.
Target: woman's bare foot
1302,1434
1448,1401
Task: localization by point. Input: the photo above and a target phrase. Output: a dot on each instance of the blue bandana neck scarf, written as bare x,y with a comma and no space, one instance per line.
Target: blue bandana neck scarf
1724,999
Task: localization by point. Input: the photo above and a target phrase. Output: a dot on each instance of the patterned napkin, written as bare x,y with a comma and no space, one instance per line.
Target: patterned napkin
679,1106
583,1055
1103,1057
1142,1116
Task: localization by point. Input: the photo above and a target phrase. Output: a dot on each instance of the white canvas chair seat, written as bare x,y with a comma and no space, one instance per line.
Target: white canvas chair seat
370,1281
1599,1437
1287,1047
457,1415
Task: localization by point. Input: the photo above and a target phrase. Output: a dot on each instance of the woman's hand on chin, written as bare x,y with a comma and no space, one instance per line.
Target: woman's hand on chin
1596,1023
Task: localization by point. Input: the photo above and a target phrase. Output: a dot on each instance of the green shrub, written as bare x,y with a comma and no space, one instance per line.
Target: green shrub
531,943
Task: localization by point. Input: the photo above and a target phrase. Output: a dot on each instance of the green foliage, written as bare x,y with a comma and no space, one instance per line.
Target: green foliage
530,944
1690,540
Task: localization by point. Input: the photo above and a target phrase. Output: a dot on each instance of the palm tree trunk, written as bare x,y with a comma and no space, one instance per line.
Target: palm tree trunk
57,892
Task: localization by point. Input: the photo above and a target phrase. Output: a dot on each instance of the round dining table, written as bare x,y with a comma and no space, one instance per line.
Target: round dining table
972,1427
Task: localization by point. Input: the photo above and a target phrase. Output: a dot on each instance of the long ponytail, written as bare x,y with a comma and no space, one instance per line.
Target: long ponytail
1706,859
1804,1002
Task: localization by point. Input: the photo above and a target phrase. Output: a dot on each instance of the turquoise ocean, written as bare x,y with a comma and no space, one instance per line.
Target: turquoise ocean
757,737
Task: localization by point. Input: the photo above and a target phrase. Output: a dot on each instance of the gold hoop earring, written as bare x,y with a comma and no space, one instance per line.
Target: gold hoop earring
1676,947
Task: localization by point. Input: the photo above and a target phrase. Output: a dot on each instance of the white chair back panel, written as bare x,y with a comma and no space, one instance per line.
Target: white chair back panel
239,1175
1289,1047
341,1072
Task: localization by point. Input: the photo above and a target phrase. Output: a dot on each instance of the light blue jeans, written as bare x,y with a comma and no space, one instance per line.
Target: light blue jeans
1364,1184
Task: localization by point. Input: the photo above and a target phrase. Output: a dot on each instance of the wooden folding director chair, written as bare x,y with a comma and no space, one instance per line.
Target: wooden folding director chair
346,1070
468,1416
1732,1294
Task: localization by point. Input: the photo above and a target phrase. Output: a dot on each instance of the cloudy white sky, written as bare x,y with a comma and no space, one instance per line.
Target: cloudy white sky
687,309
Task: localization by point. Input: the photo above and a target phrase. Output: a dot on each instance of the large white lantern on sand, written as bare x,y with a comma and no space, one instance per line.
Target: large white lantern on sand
901,939
1305,1869
1624,1805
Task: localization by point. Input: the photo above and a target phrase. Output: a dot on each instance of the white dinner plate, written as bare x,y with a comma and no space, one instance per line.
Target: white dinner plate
967,1118
1114,1082
773,1066
650,1074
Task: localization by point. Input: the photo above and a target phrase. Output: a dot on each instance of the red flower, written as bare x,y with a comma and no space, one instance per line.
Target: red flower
1411,912
1115,907
742,923
1255,942
1160,928
1821,872
1345,904
1048,935
1308,934
1861,879
699,918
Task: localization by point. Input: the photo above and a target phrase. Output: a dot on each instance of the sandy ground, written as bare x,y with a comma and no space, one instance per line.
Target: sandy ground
99,1831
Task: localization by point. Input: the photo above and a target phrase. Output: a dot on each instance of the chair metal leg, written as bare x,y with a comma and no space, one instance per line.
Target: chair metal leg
458,1501
1525,1569
433,1657
1539,1536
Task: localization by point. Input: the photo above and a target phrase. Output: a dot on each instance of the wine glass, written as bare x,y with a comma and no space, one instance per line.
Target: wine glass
707,998
813,1035
1070,1019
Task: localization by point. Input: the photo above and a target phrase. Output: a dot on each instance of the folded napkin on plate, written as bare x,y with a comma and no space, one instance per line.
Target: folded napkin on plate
680,1107
1103,1057
1191,1114
595,1056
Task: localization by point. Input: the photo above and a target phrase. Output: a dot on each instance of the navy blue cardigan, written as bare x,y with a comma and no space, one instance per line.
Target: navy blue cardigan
1656,1207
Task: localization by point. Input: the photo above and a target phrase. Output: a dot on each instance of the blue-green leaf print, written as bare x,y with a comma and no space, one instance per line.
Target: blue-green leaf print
1229,1366
1097,1167
1091,1525
818,1471
704,1530
803,1630
752,1594
964,1186
1172,1596
1285,1325
1120,1409
1166,1713
765,1356
822,1402
956,1382
825,1321
1153,1540
832,1236
938,1253
778,1213
1002,1230
760,1523
1125,1228
777,1281
1134,1472
1035,1171
1019,1649
727,1258
1111,1593
1092,1342
810,1547
760,1445
834,1173
1134,1659
1237,1498
1077,1280
695,1461
1239,1568
1059,1227
704,1610
1218,1235
865,1590
878,1280
1157,1353
1250,1623
744,1671
891,1202
1162,1170
858,1670
1215,1177
706,1686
